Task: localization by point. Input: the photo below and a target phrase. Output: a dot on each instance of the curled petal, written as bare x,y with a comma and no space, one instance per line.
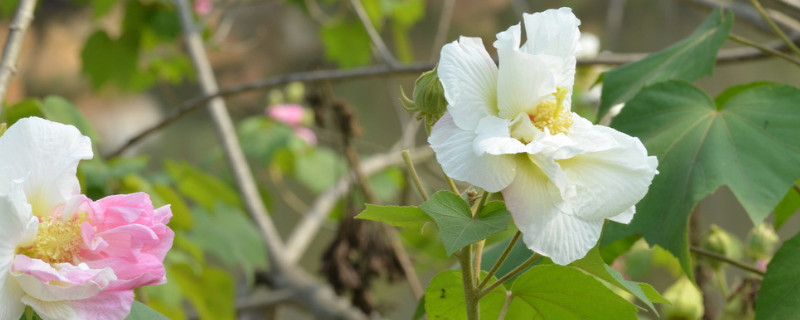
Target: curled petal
60,281
554,34
456,153
469,78
524,80
544,220
47,154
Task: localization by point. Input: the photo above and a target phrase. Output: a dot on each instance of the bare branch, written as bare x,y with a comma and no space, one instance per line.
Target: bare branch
16,33
374,36
227,134
734,55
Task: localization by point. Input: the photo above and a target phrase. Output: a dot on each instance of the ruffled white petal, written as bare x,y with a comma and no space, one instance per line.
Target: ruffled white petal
544,220
625,217
554,35
18,227
52,310
524,80
61,281
469,77
47,154
456,153
493,137
608,182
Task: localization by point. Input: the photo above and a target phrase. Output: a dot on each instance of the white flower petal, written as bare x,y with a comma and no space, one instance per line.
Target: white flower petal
52,310
609,182
625,217
11,306
554,35
469,78
524,80
456,153
494,138
18,227
547,227
46,153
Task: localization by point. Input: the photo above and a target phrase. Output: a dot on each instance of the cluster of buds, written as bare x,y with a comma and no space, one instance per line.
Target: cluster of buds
288,111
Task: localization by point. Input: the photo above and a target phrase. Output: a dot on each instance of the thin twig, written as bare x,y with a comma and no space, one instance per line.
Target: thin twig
414,176
717,256
778,54
373,34
227,134
775,27
16,34
500,259
442,28
734,55
511,273
307,229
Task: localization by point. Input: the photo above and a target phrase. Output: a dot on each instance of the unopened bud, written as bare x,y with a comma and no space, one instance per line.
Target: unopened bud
429,94
274,97
720,241
295,92
686,301
761,242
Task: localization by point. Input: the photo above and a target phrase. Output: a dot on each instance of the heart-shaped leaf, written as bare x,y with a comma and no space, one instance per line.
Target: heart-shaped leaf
457,226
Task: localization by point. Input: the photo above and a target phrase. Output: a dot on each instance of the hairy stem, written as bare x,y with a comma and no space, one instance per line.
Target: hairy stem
471,293
414,176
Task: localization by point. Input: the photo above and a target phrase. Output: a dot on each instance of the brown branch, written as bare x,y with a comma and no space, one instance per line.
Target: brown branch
725,56
16,34
717,256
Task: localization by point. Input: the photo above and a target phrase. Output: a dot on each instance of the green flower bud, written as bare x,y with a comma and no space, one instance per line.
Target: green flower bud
429,94
295,92
686,301
274,97
428,98
720,241
761,242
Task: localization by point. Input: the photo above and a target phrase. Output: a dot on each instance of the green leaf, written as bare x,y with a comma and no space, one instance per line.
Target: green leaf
105,59
181,216
444,298
204,189
690,59
347,44
593,264
457,227
788,206
140,311
60,110
398,216
779,297
26,108
101,7
229,235
559,292
749,143
210,290
387,184
318,168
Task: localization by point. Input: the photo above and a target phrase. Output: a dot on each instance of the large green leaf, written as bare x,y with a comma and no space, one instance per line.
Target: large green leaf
140,311
203,188
688,60
346,43
747,140
210,290
444,298
398,216
564,293
593,264
779,297
457,226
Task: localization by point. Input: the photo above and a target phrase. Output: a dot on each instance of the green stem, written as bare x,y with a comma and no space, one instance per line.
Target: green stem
471,292
764,49
452,184
510,274
717,256
414,175
774,27
500,260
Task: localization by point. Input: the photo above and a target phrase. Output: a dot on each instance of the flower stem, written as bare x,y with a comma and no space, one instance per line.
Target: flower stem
510,274
775,27
452,184
764,49
472,294
414,175
717,256
500,260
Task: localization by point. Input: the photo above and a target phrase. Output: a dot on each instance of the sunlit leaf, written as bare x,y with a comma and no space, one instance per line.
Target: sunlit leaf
746,140
457,226
444,298
140,311
398,216
203,188
211,290
564,293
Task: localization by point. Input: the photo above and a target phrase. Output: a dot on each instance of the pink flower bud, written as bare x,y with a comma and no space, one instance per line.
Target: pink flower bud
290,114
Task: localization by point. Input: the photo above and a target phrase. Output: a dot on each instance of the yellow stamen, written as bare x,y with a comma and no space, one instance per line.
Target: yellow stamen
552,115
56,241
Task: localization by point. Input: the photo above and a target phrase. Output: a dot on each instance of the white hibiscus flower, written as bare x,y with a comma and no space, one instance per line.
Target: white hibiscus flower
511,130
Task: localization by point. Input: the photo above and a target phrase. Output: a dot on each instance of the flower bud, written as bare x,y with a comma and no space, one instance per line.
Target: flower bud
686,301
761,242
429,95
295,92
720,241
